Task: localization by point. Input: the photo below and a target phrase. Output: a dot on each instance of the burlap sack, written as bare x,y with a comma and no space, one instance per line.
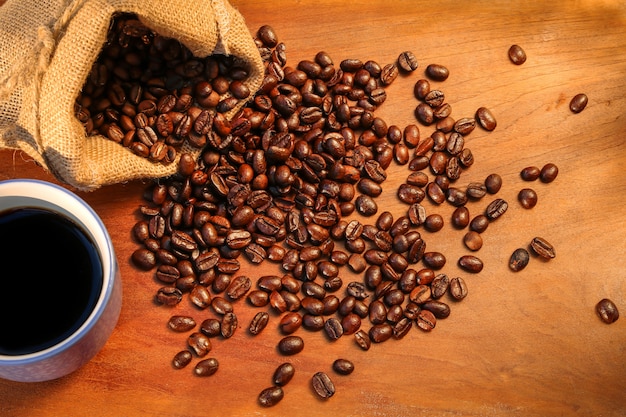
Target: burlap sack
47,49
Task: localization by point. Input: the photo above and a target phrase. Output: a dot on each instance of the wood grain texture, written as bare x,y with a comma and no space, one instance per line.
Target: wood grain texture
524,344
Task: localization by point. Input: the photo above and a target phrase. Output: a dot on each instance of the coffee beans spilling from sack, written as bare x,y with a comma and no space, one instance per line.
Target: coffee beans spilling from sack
293,180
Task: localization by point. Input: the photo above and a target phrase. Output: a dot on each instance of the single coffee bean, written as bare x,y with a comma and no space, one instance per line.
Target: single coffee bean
283,374
519,259
439,309
458,288
426,320
206,367
578,103
407,61
479,223
211,327
379,333
471,263
322,385
433,222
530,173
473,241
182,359
493,183
343,366
362,339
517,55
291,345
460,217
271,396
437,72
527,198
181,323
496,208
486,119
542,248
199,344
258,323
229,325
607,310
366,205
548,173
439,286
333,328
465,126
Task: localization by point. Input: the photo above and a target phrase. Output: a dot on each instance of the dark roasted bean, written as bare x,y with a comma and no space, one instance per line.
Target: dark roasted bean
496,208
322,385
182,359
548,173
607,310
527,198
206,367
517,55
290,345
271,396
343,366
258,323
471,263
519,259
458,288
578,103
542,248
437,72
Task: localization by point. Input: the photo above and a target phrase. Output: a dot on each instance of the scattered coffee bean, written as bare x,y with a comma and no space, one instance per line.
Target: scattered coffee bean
519,259
530,173
271,396
517,55
578,103
493,183
181,323
322,385
458,288
437,72
343,366
471,263
527,198
542,248
607,310
206,367
182,359
283,374
290,345
486,119
473,241
548,173
407,61
496,208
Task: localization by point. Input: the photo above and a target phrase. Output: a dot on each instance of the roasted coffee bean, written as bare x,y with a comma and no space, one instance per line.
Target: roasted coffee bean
388,74
456,196
211,327
199,344
486,119
458,288
258,323
527,198
476,190
434,260
437,72
473,241
578,103
322,385
144,259
493,183
548,173
221,305
290,345
206,367
460,217
366,205
607,310
470,263
496,208
343,366
351,322
362,339
407,61
200,296
479,223
433,222
439,286
530,173
182,359
464,126
424,114
542,248
169,296
181,323
333,328
517,55
426,320
229,325
519,259
439,309
283,374
290,322
271,396
379,333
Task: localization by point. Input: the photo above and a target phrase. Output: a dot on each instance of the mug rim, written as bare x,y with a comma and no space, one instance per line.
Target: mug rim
67,202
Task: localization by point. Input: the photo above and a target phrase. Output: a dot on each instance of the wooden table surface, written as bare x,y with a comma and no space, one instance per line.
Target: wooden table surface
521,344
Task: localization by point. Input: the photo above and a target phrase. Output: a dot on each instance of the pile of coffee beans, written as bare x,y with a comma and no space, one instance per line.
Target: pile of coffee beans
150,94
292,179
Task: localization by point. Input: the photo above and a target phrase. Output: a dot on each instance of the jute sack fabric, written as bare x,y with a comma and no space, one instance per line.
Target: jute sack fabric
47,49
